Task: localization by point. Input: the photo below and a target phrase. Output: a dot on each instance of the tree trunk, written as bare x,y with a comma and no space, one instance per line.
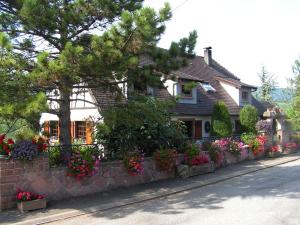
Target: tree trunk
64,124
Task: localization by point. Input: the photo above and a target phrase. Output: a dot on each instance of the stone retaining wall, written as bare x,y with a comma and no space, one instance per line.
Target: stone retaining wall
38,177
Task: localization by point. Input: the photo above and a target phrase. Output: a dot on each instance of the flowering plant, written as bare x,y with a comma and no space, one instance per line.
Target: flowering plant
165,159
5,146
200,159
264,125
290,146
274,148
235,147
41,142
83,163
133,162
27,196
190,153
214,150
223,143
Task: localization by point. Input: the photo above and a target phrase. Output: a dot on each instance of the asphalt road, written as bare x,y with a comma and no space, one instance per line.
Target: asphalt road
266,197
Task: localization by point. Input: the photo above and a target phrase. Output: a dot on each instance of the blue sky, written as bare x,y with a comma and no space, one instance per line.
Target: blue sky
244,34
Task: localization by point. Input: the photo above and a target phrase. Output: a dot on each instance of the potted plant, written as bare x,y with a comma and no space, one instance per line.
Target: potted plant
5,147
195,163
290,147
274,152
165,159
27,201
133,162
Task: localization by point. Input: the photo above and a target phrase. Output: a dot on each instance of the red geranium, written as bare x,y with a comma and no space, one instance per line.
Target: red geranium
27,196
5,146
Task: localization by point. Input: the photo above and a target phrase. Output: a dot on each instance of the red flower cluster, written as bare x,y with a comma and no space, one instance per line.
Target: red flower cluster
134,164
290,145
27,196
166,159
79,167
199,160
41,142
261,139
5,146
275,148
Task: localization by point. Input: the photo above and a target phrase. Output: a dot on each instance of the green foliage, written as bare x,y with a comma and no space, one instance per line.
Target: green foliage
267,85
221,123
165,159
144,124
212,149
294,111
55,157
249,118
59,50
191,152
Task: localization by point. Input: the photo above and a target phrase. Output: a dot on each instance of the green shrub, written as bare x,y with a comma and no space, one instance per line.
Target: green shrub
221,123
249,118
55,157
143,124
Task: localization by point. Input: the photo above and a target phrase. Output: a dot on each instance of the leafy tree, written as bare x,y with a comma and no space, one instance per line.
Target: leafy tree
248,118
267,85
143,124
74,45
294,111
19,106
220,120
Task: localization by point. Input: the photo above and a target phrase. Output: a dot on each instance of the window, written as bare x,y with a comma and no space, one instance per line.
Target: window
185,91
245,96
150,91
80,129
207,87
54,130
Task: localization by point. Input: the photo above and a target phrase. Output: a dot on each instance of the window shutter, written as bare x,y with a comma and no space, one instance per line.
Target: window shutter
47,127
89,127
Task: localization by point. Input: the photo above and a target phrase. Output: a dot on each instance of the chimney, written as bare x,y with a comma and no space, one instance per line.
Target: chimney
207,55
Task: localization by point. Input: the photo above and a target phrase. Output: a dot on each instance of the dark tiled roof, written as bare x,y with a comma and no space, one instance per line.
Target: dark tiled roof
106,98
206,101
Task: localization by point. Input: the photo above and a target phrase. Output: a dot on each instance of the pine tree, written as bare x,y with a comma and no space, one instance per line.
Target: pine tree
86,44
267,85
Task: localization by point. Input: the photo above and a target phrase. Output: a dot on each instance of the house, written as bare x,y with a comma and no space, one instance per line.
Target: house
210,81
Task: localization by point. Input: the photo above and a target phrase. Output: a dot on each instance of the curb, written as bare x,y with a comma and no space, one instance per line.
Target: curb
162,194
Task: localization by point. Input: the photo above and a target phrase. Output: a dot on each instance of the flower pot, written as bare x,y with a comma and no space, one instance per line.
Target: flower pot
290,151
230,158
274,154
185,171
25,206
4,157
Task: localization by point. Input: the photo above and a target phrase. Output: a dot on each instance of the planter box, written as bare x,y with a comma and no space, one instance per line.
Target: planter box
290,151
26,206
230,159
273,154
185,171
260,155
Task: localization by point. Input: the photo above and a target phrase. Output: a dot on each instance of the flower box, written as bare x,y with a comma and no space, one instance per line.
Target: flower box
274,154
258,155
25,206
290,150
185,171
230,158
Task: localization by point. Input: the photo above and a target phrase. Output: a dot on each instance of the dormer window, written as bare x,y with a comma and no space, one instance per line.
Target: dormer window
150,91
245,96
207,87
186,92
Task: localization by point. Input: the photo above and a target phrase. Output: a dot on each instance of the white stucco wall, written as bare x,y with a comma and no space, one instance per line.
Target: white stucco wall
233,91
170,85
80,111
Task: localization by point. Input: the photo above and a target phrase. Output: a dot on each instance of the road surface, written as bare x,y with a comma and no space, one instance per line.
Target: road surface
266,197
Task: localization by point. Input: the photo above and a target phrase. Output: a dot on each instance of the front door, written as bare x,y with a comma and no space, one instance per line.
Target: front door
198,129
